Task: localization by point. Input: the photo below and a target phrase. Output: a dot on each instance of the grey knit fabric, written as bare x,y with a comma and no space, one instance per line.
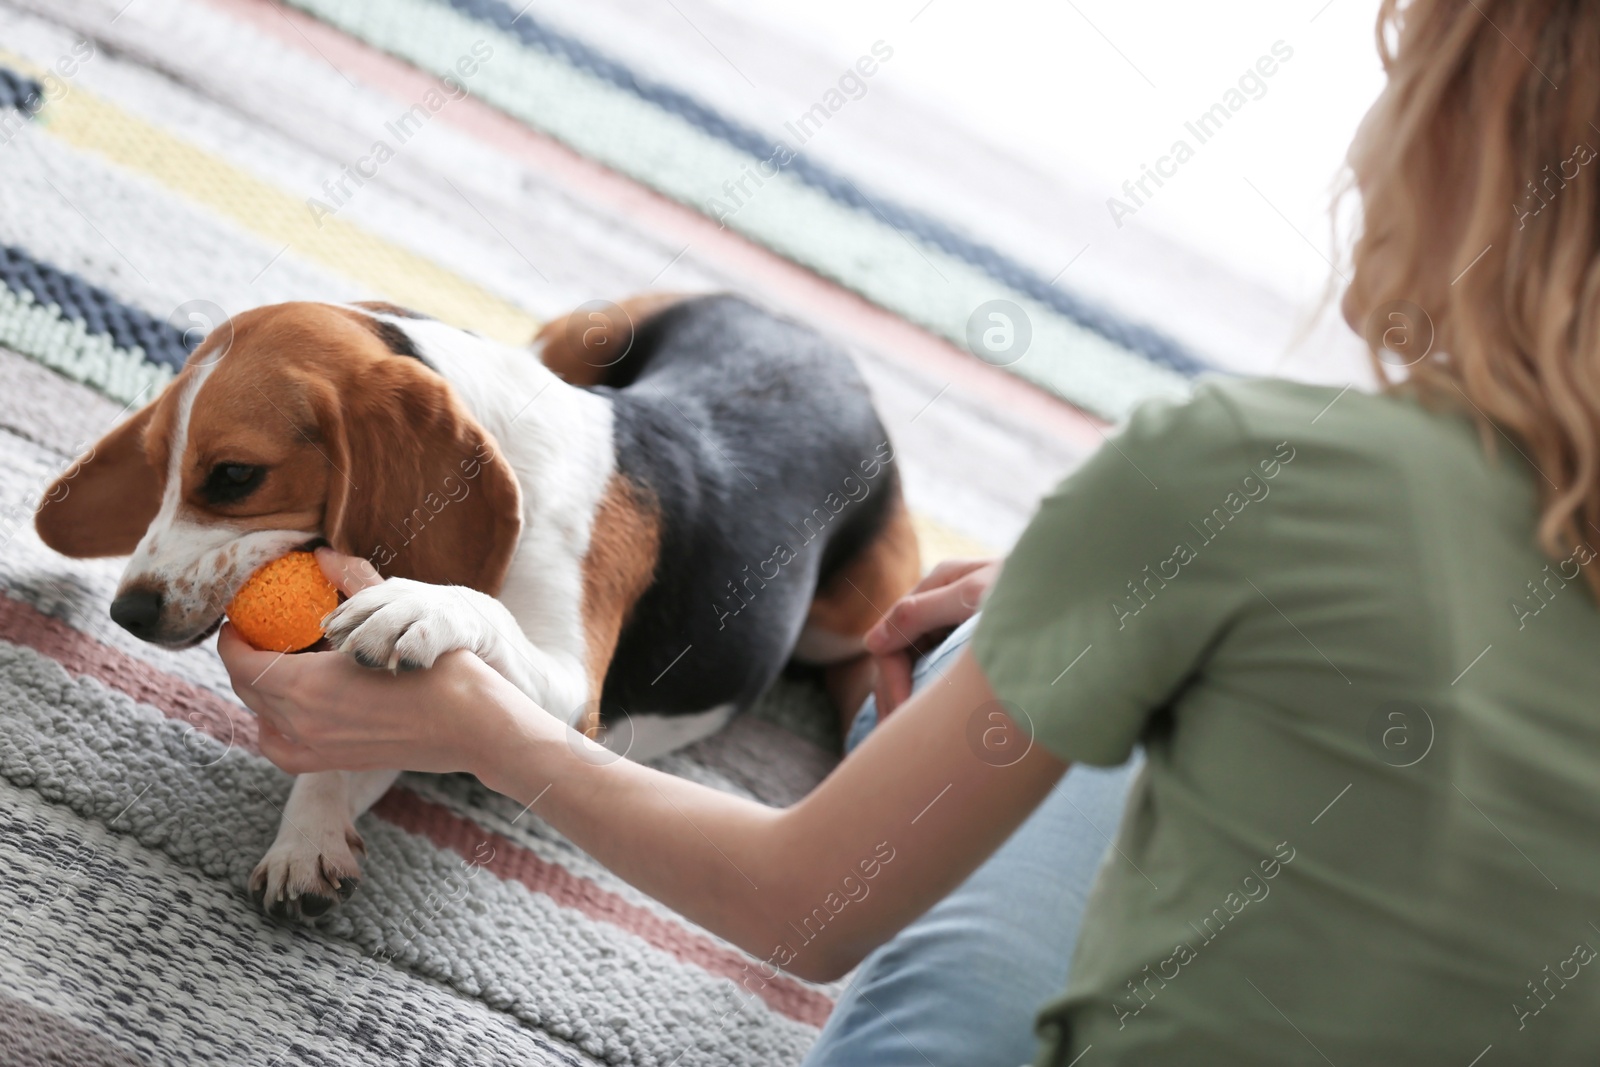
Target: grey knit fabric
33,1037
149,961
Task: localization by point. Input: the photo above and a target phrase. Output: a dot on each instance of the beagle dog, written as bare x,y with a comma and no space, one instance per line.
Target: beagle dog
637,522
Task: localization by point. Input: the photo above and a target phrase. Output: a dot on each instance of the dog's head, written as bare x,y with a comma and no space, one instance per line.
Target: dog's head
290,425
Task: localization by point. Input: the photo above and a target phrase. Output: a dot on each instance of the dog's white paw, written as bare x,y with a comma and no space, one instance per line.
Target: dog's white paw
406,625
304,876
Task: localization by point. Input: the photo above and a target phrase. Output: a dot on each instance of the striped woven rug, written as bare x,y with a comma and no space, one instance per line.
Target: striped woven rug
763,184
164,165
133,805
134,213
919,267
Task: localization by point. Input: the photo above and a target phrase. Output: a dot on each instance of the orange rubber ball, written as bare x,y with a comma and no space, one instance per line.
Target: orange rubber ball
281,607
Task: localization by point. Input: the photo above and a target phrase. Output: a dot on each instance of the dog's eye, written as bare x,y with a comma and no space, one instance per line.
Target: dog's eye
230,482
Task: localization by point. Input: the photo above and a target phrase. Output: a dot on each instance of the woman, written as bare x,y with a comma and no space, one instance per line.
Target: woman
1354,637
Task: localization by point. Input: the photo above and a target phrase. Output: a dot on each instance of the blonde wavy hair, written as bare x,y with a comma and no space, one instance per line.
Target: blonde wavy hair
1477,266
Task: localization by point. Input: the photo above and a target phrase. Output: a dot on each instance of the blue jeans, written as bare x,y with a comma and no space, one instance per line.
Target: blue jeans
960,986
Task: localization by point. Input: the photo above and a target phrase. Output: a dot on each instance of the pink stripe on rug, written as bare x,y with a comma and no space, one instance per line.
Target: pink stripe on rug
81,654
23,624
511,862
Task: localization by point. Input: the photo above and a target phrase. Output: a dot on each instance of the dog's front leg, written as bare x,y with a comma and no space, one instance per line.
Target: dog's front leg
315,862
402,624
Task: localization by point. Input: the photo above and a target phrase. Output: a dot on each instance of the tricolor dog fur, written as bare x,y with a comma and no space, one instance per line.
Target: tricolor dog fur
639,542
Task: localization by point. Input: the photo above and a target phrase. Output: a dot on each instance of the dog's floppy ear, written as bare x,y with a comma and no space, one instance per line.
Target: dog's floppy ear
421,489
104,502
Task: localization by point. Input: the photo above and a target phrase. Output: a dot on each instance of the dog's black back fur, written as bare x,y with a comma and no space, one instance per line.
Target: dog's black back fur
755,438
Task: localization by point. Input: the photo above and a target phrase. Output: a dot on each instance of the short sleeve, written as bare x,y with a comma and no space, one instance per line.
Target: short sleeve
1127,576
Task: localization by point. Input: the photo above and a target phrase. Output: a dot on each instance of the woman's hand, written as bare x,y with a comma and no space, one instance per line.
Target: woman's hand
949,596
323,711
737,867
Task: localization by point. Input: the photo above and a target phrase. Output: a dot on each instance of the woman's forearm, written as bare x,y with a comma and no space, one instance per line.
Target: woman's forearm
702,852
810,888
813,887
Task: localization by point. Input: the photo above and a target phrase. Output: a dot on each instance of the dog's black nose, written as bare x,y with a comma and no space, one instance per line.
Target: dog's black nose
137,611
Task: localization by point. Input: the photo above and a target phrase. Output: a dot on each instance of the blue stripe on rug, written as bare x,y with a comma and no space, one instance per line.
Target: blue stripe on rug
98,311
17,90
1143,340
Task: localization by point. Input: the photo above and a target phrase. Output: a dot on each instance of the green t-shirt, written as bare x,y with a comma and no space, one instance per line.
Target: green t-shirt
1368,830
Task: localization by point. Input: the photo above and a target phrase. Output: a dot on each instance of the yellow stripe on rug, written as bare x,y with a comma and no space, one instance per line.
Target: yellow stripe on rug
402,277
939,542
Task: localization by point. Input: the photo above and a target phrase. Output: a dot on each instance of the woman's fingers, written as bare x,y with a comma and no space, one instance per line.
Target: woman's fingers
259,678
916,615
893,687
236,653
948,571
247,666
950,595
321,711
349,574
288,754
